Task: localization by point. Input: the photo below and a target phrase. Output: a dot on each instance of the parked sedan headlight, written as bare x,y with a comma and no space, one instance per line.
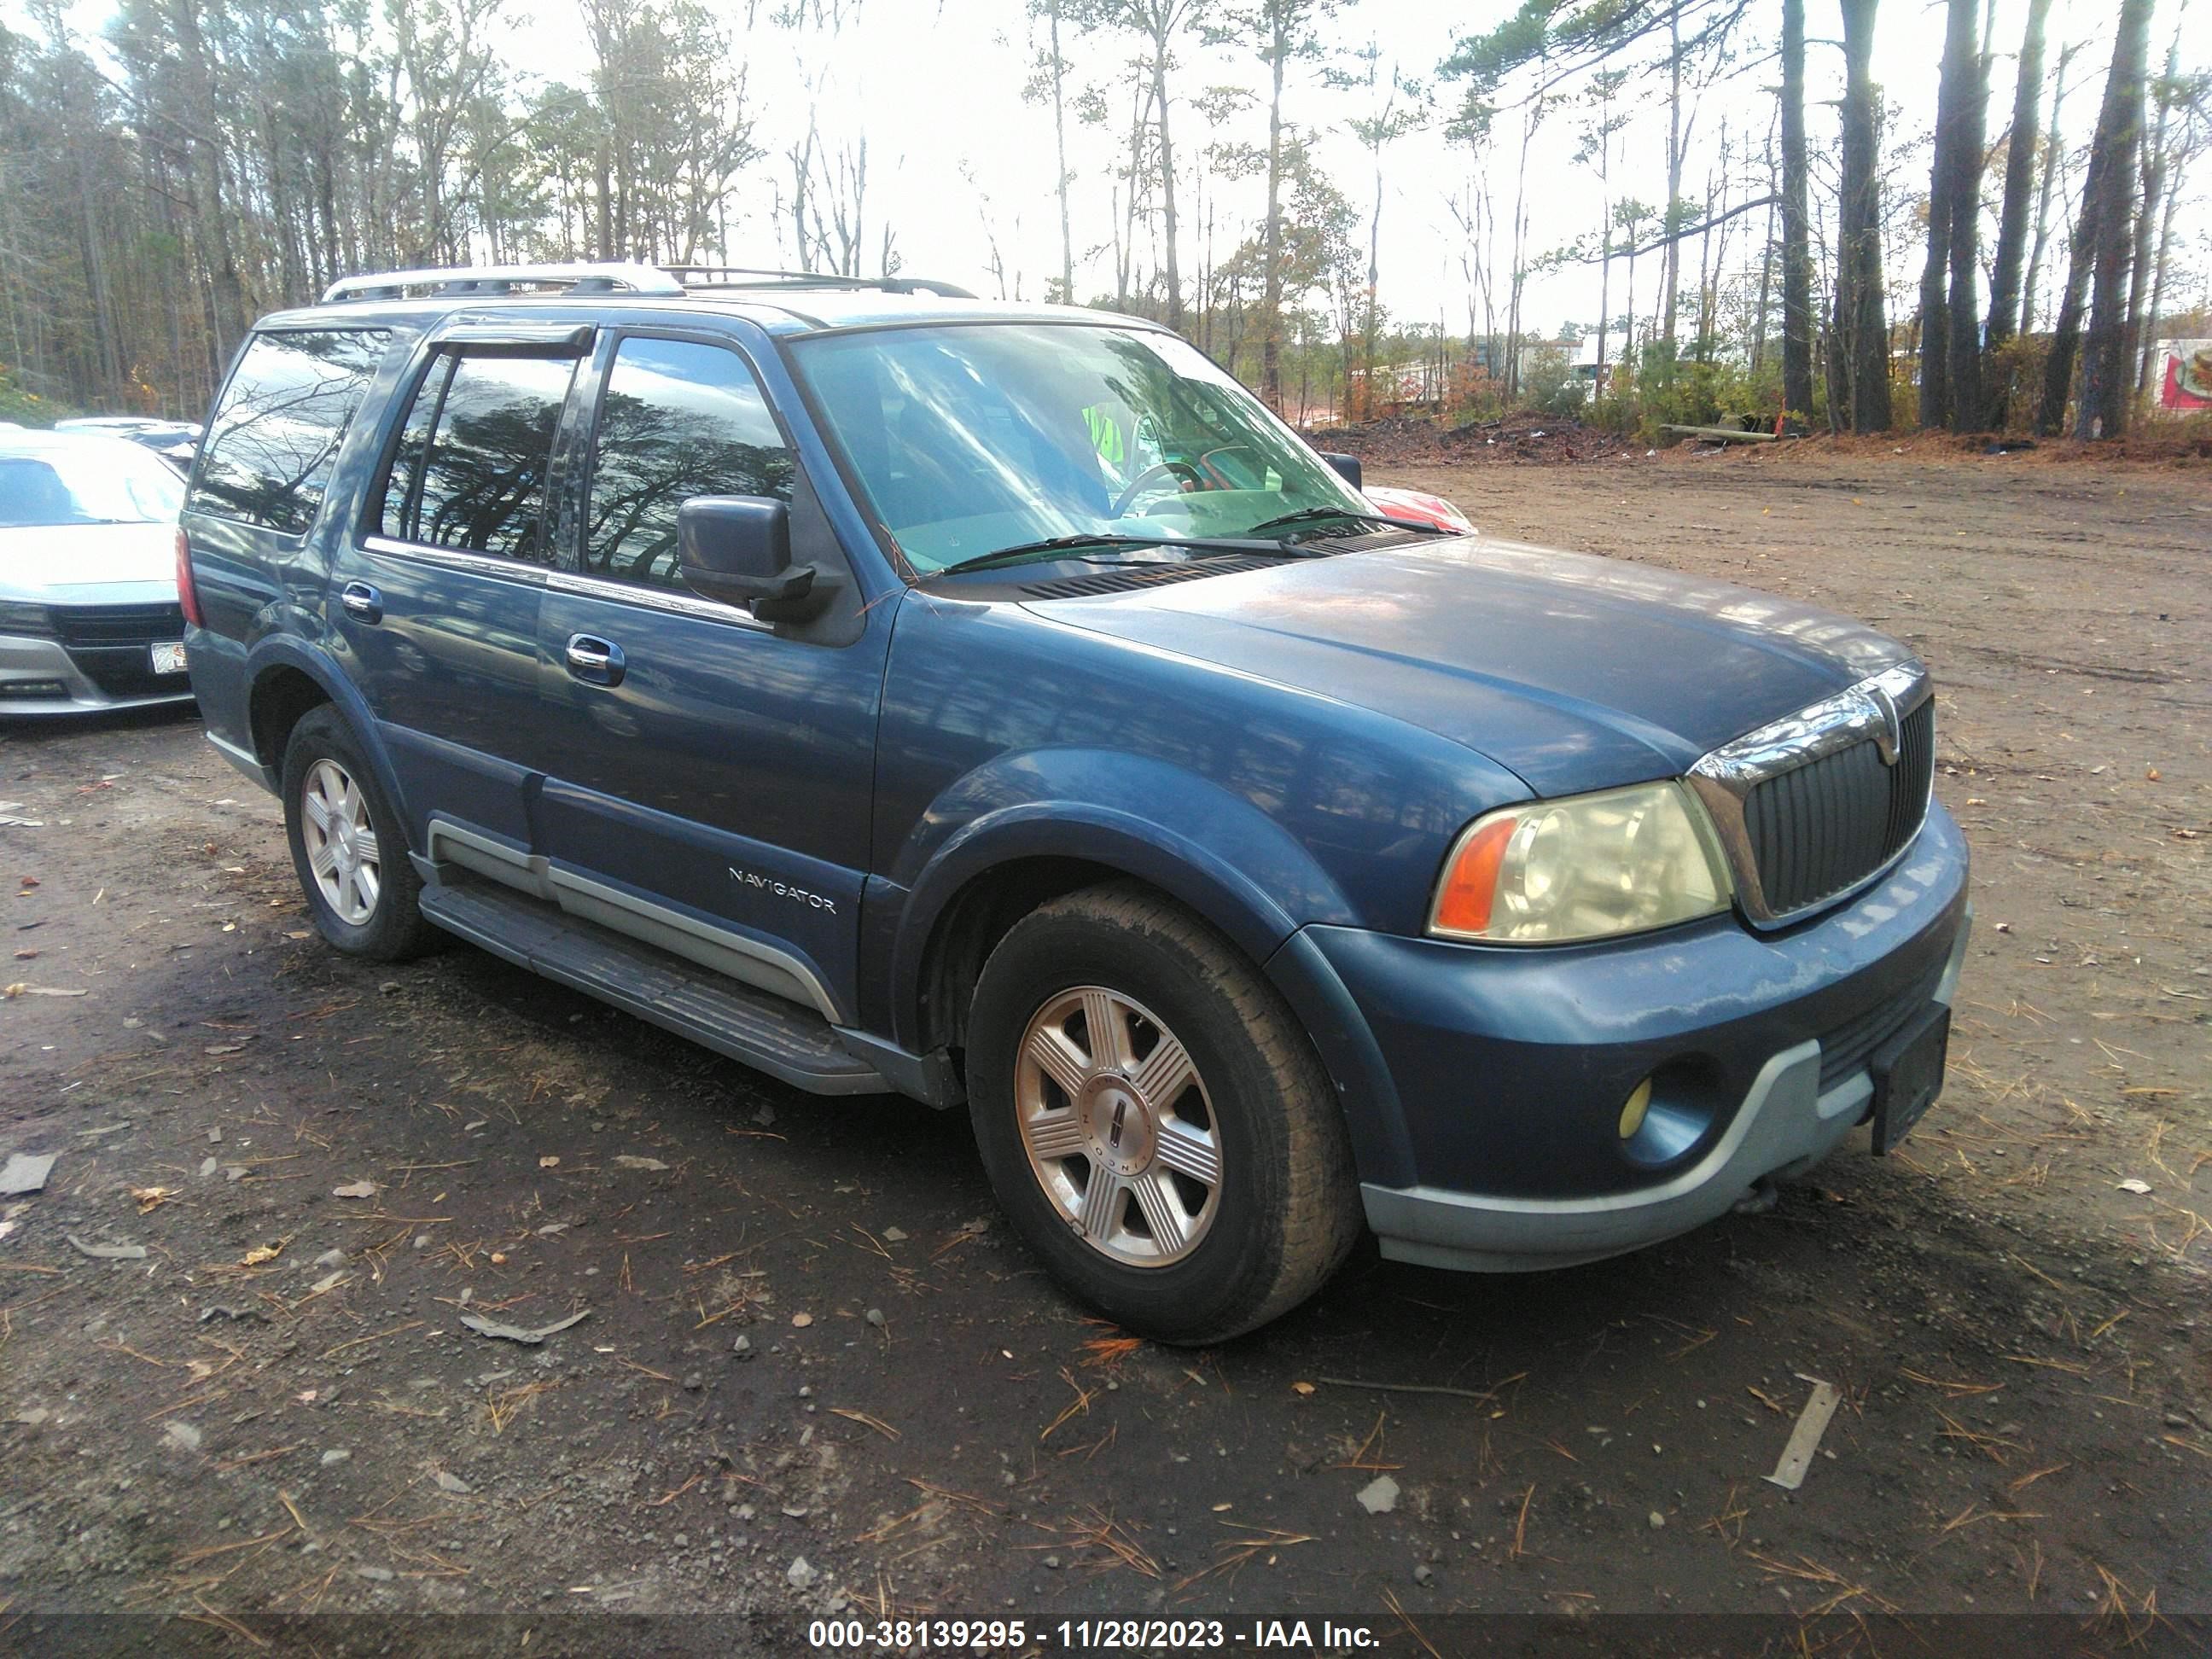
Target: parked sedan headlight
1619,861
17,616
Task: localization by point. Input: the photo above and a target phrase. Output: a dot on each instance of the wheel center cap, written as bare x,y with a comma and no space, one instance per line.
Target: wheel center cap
1117,1126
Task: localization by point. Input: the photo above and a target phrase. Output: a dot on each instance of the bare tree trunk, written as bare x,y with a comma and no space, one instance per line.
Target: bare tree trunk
1520,266
1862,328
1126,258
2149,338
2031,286
1605,256
1942,215
1674,270
208,228
1059,144
1628,340
1796,235
1271,338
2153,191
1167,178
2066,328
2012,223
1766,273
1968,158
2105,229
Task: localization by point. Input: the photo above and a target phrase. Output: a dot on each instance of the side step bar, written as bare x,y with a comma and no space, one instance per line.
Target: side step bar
764,1031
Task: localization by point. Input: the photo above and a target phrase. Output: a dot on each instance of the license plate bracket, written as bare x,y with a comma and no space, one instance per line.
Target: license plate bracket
166,657
1908,1076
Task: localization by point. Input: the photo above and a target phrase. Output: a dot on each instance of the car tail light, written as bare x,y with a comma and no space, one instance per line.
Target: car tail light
187,595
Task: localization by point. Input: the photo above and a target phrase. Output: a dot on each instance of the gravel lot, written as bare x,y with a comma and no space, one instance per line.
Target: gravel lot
272,1406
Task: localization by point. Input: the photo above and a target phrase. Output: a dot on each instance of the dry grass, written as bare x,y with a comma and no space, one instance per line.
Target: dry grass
1805,1570
1080,1405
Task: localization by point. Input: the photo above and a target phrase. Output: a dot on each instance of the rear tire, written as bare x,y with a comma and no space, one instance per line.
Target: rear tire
1153,1120
347,846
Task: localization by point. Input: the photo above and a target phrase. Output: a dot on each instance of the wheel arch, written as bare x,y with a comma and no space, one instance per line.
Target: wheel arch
285,682
1185,837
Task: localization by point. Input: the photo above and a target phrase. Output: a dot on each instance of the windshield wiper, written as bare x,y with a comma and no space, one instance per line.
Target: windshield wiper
1307,514
1107,541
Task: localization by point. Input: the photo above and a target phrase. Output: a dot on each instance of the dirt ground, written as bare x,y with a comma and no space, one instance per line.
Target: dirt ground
277,1409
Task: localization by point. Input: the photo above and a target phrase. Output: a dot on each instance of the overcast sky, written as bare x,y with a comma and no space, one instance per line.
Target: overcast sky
938,90
936,85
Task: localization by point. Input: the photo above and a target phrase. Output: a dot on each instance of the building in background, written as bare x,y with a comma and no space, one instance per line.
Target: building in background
2184,386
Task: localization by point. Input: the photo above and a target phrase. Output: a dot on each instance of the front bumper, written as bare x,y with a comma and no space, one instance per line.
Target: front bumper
38,678
1487,1120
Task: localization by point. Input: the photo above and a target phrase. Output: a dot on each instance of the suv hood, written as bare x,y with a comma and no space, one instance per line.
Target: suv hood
1576,672
69,563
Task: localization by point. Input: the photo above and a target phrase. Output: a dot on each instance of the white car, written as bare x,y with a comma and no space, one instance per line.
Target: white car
88,613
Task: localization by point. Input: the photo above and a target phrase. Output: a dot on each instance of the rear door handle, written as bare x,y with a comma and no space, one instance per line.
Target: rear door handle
362,601
594,659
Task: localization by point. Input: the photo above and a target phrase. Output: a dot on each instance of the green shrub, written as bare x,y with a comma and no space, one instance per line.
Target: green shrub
26,408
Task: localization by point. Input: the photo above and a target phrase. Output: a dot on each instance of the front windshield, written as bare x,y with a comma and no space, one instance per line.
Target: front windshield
107,482
969,438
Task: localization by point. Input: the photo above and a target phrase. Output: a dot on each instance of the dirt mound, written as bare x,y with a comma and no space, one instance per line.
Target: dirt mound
1526,437
2186,444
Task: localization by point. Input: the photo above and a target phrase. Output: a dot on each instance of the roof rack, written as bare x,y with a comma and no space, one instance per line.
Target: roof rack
754,276
608,277
579,277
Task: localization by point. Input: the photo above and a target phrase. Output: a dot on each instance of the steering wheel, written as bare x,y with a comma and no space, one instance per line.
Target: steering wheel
1222,480
1183,470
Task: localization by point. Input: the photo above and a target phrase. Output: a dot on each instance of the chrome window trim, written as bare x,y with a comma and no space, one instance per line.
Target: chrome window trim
1876,708
480,564
566,581
655,598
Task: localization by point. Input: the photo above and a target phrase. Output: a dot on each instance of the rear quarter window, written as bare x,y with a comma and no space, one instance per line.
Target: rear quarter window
272,439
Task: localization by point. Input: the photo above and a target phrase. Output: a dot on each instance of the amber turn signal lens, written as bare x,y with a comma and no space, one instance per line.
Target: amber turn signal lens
1463,905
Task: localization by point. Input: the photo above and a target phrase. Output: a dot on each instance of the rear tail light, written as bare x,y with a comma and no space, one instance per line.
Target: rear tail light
187,595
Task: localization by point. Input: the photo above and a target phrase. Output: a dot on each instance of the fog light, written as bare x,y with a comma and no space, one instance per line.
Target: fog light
1632,1114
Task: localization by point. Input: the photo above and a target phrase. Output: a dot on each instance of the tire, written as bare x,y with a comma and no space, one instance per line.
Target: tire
1097,1153
384,924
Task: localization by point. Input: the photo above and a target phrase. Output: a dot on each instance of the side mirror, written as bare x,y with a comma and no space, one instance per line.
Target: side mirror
1346,467
736,550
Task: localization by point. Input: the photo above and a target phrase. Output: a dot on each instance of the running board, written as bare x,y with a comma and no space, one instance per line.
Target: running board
758,1029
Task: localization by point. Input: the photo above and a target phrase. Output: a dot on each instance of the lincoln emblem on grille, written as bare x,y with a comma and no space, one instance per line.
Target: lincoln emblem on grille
1812,806
1889,740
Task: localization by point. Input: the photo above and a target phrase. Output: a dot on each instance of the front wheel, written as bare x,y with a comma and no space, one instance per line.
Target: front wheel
1153,1120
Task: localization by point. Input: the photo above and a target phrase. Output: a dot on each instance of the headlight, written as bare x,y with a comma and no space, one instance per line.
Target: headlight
18,617
1586,867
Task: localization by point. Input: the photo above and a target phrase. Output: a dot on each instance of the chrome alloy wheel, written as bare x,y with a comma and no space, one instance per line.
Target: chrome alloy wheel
341,841
1118,1127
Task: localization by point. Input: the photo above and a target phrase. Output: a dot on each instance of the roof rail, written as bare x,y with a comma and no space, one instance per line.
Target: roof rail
754,276
735,276
579,276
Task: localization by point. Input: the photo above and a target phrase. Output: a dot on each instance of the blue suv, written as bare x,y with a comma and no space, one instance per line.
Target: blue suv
997,705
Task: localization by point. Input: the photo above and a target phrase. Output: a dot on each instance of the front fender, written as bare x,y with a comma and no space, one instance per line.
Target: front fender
1195,840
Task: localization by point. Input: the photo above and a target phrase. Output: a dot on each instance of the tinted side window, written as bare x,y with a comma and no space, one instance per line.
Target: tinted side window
470,469
680,419
272,438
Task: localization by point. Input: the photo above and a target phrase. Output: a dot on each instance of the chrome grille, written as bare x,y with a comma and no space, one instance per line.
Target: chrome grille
1811,807
1824,826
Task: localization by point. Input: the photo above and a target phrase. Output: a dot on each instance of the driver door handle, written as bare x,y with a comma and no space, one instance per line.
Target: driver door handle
595,661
